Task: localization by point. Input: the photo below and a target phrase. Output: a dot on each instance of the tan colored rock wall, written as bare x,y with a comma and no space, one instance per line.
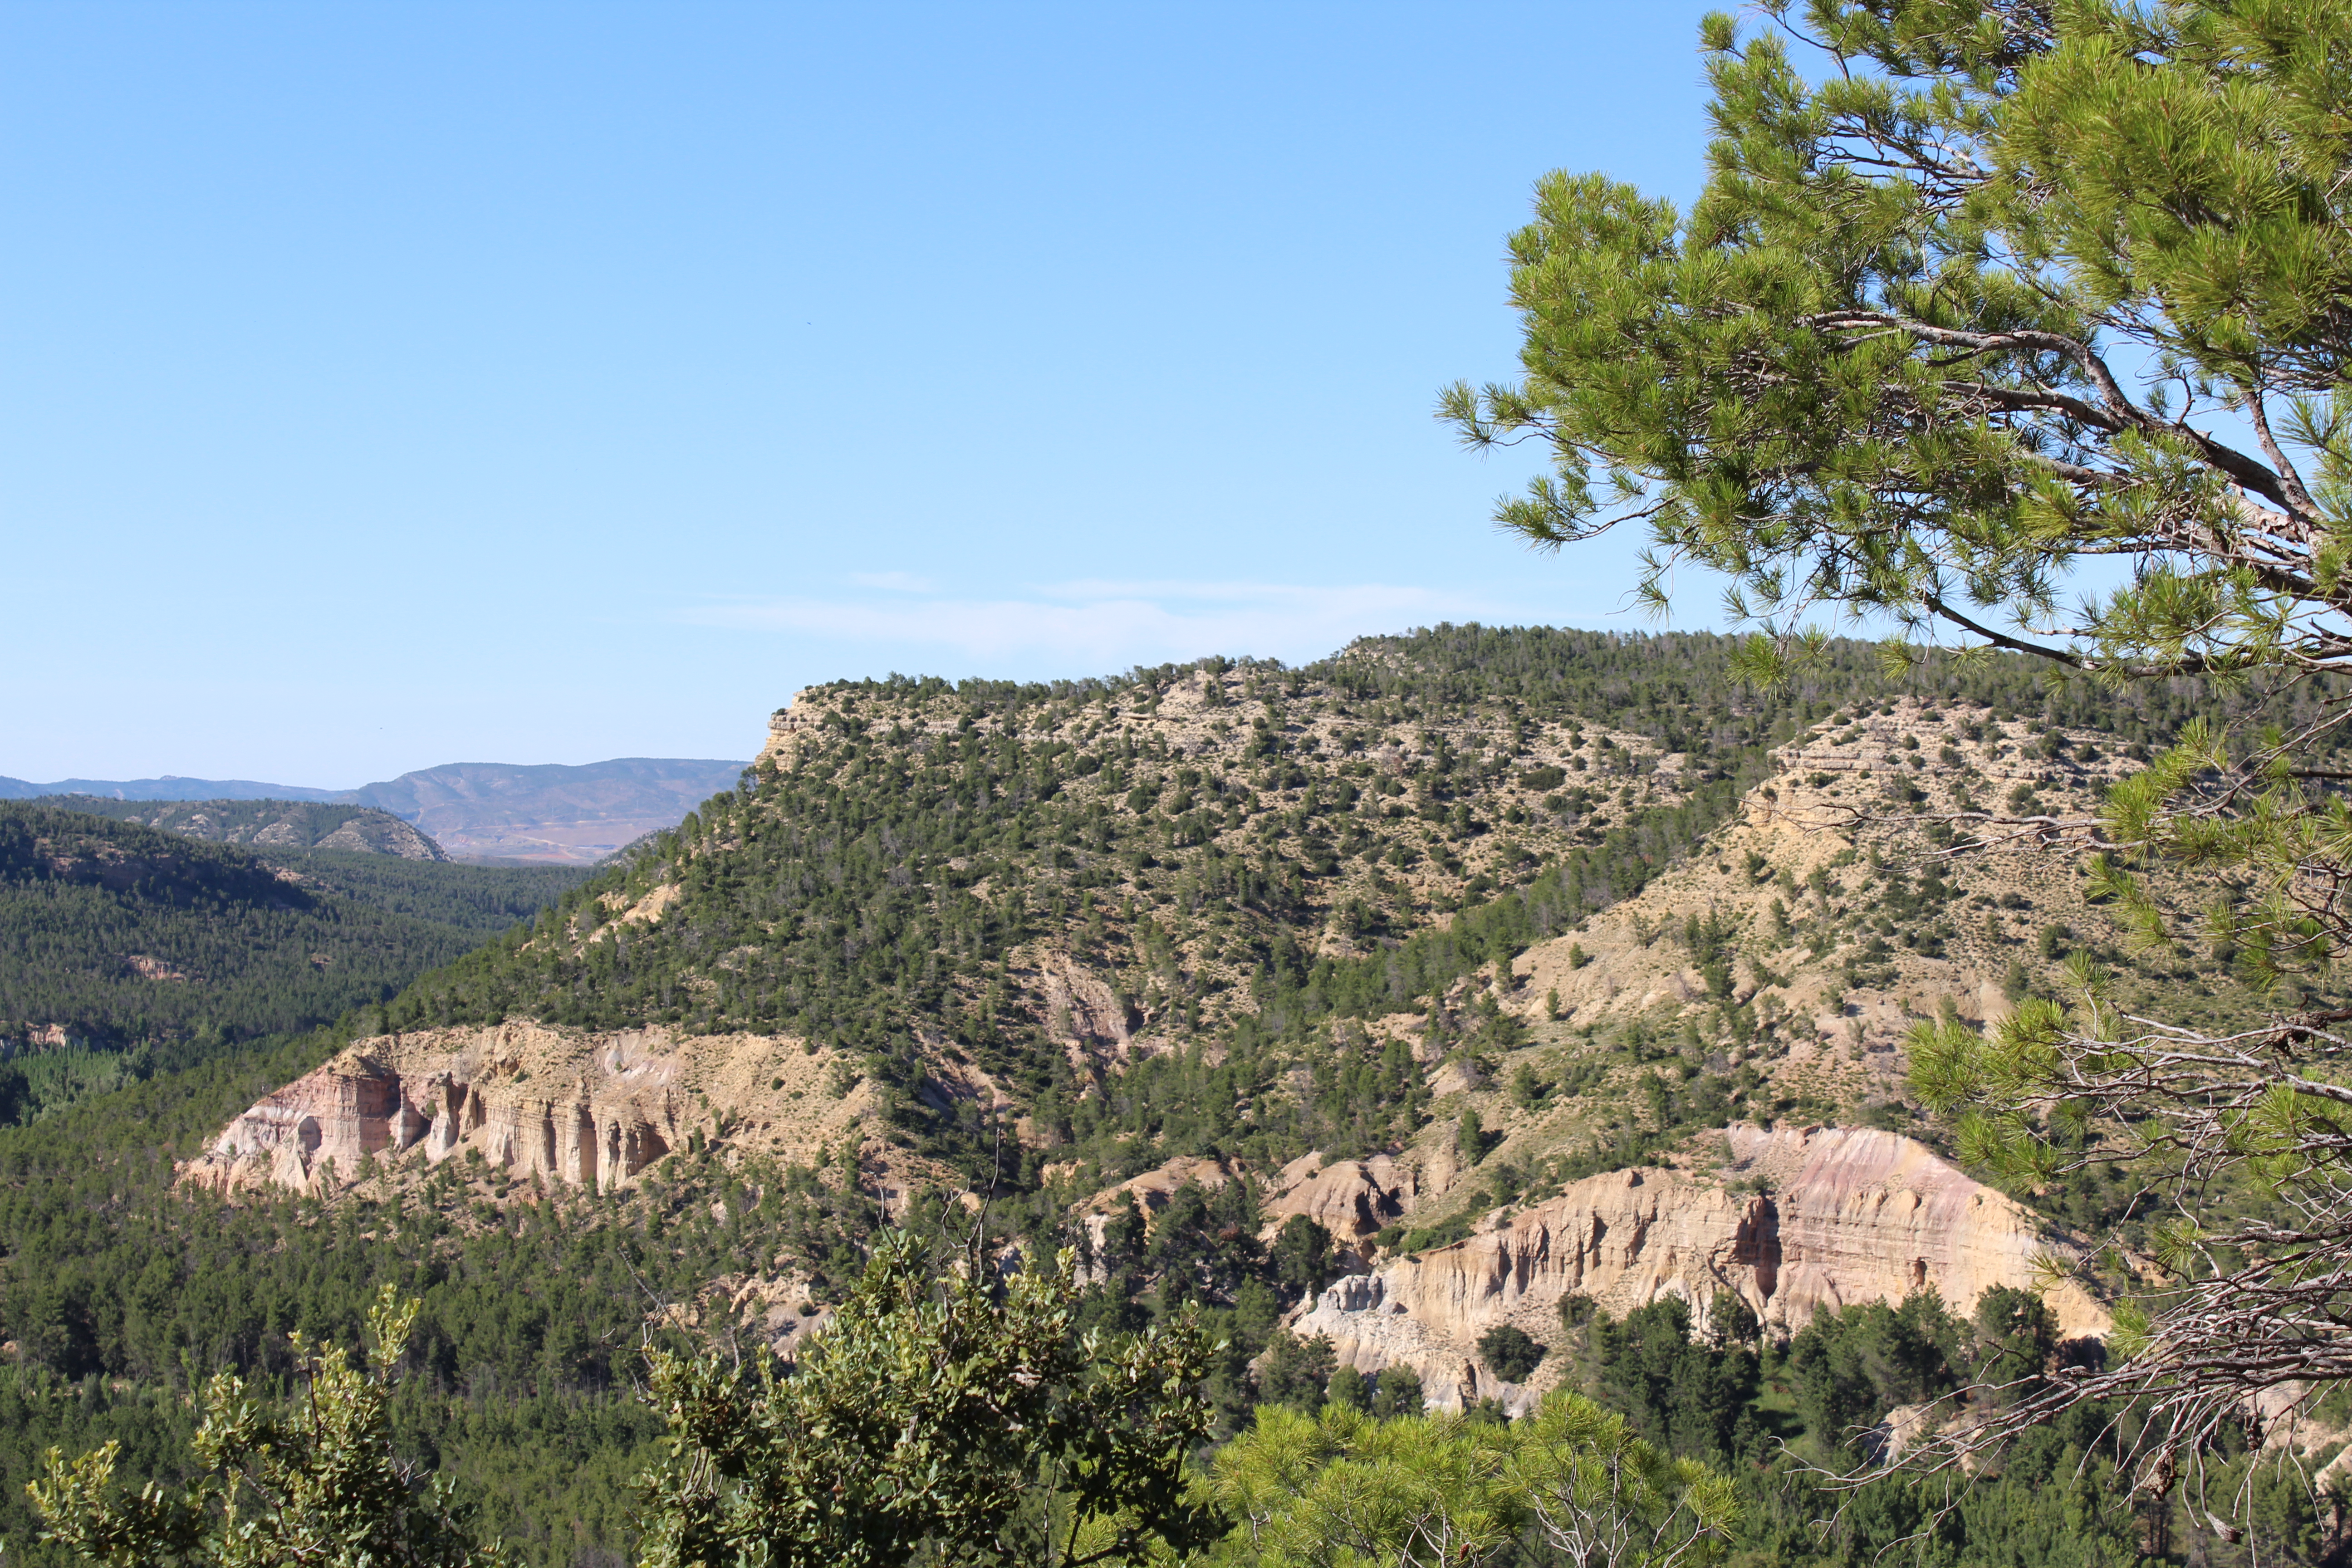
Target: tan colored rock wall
1866,1215
1853,1216
591,1110
1352,1199
791,730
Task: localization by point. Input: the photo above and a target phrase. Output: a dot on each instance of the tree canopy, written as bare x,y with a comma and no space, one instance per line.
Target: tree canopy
1979,294
1345,1488
312,1482
956,1418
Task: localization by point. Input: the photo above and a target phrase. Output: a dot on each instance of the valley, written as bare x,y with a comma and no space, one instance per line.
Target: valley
492,813
127,949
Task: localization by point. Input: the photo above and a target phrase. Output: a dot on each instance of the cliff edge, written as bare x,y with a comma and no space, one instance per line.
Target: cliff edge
1805,1218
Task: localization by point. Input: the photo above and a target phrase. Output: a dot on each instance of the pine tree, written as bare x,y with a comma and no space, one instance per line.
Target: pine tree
1993,290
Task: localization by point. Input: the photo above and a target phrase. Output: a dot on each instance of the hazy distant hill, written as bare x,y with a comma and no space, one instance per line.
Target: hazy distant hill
270,824
170,786
548,813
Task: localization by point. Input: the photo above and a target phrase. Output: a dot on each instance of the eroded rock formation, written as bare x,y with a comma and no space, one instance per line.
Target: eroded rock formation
584,1111
1082,1012
1846,1216
791,730
1352,1199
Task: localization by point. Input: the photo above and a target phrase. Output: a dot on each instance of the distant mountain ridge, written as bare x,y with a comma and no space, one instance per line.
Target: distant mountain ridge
549,813
170,786
268,823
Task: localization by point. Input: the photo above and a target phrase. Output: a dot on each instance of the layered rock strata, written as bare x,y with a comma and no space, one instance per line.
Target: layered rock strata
1844,1216
583,1110
793,730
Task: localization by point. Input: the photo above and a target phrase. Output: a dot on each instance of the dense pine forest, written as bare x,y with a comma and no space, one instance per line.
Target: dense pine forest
125,948
1261,861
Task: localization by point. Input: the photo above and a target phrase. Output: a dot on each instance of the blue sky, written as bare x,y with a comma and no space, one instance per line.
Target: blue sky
395,384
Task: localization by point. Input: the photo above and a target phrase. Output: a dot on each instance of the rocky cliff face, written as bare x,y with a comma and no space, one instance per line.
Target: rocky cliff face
793,730
1846,1216
592,1110
1352,1199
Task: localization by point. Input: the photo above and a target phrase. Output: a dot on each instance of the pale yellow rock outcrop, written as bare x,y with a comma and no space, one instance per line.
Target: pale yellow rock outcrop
791,730
1851,1216
592,1110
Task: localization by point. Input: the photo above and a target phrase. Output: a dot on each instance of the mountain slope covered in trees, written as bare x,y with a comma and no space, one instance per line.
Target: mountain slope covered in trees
1230,853
1050,940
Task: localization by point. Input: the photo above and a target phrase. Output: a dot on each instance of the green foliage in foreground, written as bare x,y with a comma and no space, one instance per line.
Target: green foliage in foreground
1777,1416
125,1295
1979,294
949,1419
961,1417
313,1483
1570,1485
965,1419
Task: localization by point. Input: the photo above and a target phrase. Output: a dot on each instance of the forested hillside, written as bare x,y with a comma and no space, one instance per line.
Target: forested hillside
481,900
123,947
1115,954
268,823
1242,853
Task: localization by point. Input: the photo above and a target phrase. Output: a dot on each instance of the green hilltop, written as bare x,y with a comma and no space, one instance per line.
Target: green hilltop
1247,851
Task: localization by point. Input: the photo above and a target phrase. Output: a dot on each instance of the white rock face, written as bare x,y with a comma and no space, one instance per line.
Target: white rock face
1853,1216
589,1110
614,1116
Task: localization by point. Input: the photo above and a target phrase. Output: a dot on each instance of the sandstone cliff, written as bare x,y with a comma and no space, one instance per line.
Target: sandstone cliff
583,1109
791,730
1352,1199
1846,1216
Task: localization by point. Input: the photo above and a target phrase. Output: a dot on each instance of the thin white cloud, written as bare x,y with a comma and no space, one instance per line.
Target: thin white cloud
893,581
1108,625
